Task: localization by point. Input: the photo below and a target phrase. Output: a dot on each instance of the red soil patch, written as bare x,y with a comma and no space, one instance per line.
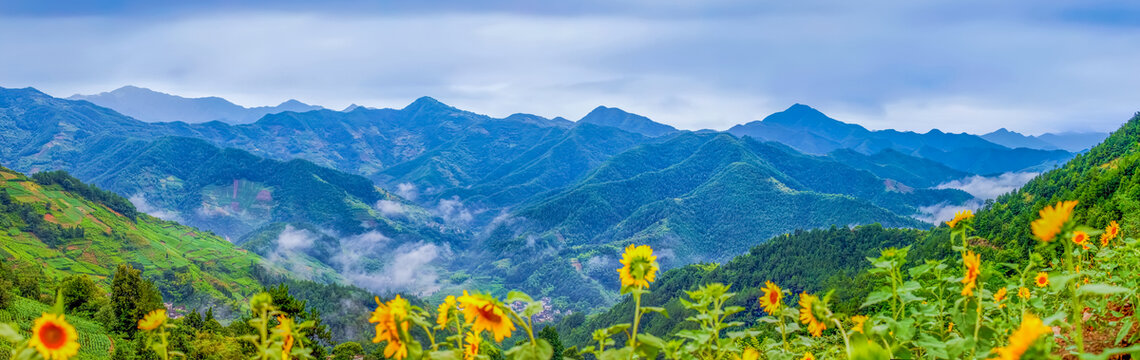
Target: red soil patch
50,218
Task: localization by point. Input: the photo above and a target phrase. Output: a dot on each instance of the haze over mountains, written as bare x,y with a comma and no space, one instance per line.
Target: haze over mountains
511,201
152,106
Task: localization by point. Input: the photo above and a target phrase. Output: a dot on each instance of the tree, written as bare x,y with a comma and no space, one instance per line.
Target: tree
347,350
81,295
550,334
132,297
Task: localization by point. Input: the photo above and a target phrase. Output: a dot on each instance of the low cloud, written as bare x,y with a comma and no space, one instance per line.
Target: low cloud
390,208
407,191
936,214
140,203
292,239
985,188
406,268
453,211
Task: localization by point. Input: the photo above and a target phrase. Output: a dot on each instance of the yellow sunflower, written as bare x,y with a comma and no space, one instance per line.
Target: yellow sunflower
1000,296
858,321
487,314
771,301
750,354
960,217
285,326
808,356
1110,233
1022,338
153,320
54,338
471,349
391,321
973,264
1024,293
1081,238
639,266
445,311
1042,279
807,317
1053,218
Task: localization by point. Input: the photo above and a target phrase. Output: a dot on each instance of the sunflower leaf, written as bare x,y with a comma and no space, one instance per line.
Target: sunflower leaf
8,332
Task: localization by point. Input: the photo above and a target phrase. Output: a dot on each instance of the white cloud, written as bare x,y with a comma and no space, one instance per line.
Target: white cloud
936,214
454,211
1027,66
390,208
407,191
140,203
292,239
991,187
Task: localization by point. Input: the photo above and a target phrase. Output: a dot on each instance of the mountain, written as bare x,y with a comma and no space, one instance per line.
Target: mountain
817,261
607,116
695,197
808,130
1013,140
67,233
152,106
1100,179
1069,141
890,164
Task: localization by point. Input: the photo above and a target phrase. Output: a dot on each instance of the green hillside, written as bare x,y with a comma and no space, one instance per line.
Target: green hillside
89,238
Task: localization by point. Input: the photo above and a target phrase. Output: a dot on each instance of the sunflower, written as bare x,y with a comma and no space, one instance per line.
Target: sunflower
472,348
771,300
1000,296
960,217
858,321
1042,279
445,311
1081,238
1024,293
54,338
1022,338
1052,219
391,321
973,264
285,327
640,266
1110,233
808,356
487,314
750,354
153,320
807,317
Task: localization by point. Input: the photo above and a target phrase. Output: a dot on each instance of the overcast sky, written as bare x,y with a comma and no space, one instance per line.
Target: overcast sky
958,65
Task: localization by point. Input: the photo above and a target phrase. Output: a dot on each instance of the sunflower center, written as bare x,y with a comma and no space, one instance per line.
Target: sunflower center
773,297
488,312
53,336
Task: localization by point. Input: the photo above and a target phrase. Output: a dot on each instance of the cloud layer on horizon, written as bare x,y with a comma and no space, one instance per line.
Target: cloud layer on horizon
970,66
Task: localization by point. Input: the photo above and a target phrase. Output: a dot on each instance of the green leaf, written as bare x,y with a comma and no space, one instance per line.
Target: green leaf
514,296
540,350
1123,331
1102,289
455,354
533,309
659,310
8,332
876,297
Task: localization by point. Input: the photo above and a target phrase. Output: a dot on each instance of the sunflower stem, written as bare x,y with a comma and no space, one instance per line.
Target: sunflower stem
846,342
636,322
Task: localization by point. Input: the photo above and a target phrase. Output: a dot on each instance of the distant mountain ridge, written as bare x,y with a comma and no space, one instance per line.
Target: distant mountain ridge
152,106
621,119
1069,141
809,130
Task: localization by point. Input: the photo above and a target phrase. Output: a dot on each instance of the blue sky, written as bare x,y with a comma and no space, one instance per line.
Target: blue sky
1031,66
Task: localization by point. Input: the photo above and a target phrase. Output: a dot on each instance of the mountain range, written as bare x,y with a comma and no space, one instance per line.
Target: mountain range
509,202
1068,141
152,106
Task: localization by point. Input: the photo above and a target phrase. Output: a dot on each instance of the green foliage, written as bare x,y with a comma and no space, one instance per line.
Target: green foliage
132,297
81,296
347,350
